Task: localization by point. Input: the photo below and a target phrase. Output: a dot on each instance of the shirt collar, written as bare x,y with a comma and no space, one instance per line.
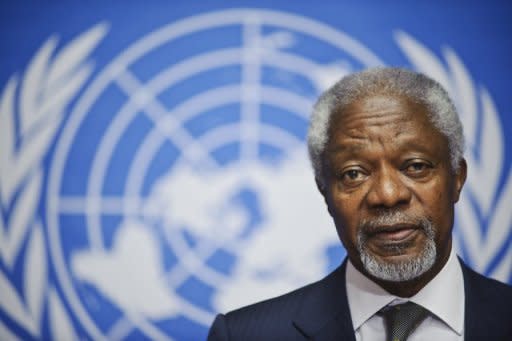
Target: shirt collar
443,295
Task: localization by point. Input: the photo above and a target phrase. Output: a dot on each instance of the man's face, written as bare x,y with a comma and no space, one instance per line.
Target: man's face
390,188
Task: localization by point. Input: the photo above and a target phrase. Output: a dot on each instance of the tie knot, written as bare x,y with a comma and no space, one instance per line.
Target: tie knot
402,319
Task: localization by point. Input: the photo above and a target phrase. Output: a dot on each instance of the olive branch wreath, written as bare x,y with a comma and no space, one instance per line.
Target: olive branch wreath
31,111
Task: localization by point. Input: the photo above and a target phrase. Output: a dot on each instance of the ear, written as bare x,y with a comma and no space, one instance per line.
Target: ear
460,179
320,184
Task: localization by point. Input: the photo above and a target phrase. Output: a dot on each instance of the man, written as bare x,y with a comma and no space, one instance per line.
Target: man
386,145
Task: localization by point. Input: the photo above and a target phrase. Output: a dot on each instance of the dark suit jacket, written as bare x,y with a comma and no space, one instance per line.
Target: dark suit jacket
320,311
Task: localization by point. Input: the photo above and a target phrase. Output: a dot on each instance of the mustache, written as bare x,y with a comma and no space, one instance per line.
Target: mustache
394,220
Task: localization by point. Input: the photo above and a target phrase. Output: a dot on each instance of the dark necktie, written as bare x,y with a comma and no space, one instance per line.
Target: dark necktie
402,319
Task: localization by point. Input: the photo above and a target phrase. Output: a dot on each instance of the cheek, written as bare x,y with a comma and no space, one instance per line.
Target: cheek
344,210
433,195
437,203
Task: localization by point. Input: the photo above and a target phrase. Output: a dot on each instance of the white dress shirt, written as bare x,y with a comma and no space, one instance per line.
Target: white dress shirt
443,296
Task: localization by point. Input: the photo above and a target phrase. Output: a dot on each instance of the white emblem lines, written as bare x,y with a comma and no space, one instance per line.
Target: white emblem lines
168,126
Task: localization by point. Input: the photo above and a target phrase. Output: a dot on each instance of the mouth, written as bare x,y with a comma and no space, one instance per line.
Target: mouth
394,234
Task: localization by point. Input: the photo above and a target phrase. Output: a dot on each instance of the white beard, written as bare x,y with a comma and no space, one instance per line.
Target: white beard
398,271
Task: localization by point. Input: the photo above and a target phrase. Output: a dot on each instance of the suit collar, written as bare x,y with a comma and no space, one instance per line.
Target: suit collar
324,313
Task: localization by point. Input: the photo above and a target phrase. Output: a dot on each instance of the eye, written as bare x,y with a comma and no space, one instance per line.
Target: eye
418,168
353,176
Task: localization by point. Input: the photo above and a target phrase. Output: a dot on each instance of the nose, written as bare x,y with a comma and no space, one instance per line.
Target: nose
388,189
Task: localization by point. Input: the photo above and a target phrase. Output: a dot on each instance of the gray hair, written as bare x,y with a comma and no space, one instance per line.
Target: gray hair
385,81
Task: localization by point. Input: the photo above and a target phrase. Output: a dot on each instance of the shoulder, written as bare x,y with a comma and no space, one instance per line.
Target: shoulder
488,307
280,306
486,289
266,320
273,319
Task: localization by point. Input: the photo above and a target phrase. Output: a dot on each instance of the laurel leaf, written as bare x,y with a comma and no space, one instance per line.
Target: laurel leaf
501,221
2,235
423,59
33,83
491,152
503,271
488,167
60,325
57,101
23,213
470,232
12,304
7,139
35,273
463,94
31,153
6,334
72,56
485,171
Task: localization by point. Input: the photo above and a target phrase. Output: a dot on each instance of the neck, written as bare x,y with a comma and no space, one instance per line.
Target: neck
410,288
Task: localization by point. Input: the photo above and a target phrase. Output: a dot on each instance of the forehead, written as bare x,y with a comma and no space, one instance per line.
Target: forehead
382,112
392,122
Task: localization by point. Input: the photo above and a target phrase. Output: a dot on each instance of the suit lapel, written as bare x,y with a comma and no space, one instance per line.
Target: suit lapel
324,313
477,306
470,320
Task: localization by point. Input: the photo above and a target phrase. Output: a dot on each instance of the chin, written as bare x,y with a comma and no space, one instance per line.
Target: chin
399,268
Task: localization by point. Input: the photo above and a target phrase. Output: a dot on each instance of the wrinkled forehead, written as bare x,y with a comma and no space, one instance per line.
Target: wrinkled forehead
382,111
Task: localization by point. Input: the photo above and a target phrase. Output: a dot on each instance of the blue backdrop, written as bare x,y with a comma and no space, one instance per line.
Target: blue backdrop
153,169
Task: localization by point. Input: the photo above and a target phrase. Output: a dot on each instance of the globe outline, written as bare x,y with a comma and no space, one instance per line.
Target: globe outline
95,90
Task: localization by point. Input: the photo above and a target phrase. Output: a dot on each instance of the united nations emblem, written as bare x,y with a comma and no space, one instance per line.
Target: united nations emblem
179,185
